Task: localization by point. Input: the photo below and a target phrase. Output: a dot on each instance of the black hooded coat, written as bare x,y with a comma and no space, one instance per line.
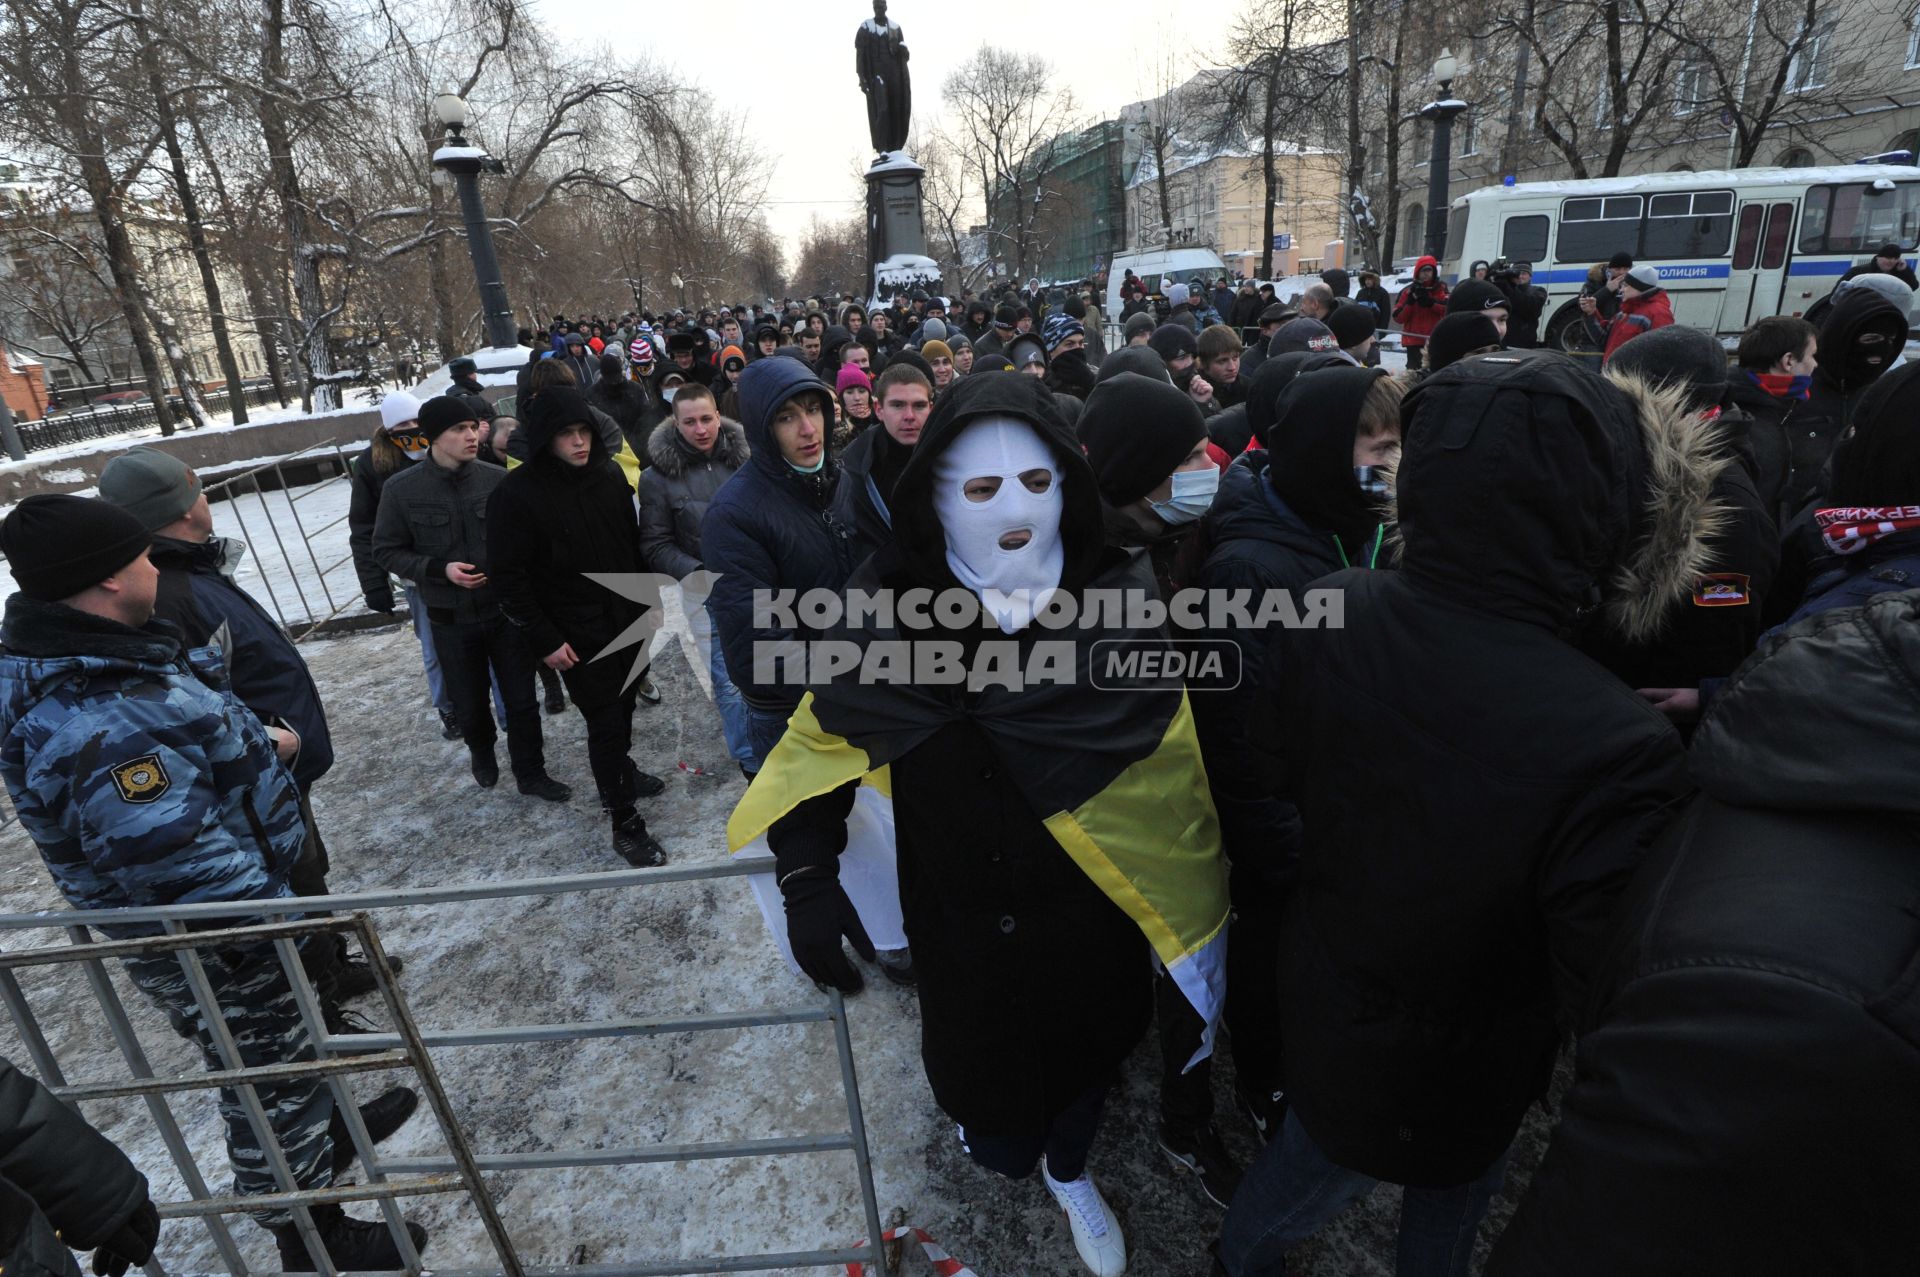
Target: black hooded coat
550,522
1033,985
1474,792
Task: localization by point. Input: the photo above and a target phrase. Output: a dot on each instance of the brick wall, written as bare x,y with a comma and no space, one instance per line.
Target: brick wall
25,388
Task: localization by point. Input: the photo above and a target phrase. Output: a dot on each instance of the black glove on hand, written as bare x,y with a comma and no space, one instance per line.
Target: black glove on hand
381,601
131,1244
818,914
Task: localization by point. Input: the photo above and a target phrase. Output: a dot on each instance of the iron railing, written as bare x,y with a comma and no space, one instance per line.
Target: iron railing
407,1046
105,422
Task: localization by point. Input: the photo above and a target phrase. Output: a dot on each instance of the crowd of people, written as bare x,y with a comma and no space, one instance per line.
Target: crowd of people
1614,739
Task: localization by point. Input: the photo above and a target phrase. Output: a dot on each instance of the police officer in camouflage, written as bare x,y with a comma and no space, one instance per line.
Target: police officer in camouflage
144,781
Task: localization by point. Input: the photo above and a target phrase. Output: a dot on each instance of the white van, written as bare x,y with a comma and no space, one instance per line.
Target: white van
1180,263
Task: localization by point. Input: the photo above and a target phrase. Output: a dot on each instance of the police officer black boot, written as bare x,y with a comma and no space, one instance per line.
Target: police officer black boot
354,1245
382,1117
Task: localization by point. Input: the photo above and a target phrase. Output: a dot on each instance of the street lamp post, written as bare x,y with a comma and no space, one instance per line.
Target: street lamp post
1442,111
466,162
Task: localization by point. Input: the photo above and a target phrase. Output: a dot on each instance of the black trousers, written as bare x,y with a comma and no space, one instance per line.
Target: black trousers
609,744
1252,1016
1065,1142
467,649
1415,355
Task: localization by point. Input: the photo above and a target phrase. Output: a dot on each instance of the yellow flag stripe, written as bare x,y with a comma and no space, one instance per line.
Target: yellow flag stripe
809,761
1151,841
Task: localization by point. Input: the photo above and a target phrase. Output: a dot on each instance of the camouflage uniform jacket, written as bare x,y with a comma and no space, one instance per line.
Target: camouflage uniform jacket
133,767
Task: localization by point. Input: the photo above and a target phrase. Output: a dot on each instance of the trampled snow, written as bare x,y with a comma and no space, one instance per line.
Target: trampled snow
400,810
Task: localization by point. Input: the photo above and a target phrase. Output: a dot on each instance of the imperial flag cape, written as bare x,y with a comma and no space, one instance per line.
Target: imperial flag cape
1116,775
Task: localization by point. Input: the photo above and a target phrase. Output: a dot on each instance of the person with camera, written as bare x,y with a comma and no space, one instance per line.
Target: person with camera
1525,301
1419,308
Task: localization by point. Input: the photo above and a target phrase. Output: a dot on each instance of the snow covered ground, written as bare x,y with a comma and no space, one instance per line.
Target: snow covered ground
399,809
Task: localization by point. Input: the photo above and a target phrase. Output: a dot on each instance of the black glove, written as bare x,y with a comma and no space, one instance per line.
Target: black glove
818,914
1420,295
131,1244
381,601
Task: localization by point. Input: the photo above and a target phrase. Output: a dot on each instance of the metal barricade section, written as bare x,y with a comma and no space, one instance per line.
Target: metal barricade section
407,1046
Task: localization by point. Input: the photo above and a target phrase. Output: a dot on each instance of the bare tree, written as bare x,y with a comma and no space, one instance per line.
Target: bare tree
832,258
56,282
1282,87
1003,116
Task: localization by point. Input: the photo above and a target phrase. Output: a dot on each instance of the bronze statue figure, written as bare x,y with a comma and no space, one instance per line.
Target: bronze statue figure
881,53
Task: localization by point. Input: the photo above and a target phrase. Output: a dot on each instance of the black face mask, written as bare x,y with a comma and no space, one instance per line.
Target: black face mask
1869,357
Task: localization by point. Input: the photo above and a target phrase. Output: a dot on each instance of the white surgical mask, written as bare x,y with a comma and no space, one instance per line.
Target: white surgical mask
1192,495
1023,579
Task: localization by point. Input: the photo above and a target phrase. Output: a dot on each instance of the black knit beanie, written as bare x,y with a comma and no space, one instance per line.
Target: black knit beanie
1458,333
58,545
443,412
1136,431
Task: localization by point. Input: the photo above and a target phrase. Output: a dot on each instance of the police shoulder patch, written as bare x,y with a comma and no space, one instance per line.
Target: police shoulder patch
142,780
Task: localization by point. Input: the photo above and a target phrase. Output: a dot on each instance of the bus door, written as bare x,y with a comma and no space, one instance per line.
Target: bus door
1762,247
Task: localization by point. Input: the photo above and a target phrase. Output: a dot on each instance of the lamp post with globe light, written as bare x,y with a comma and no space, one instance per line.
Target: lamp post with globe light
1441,111
465,162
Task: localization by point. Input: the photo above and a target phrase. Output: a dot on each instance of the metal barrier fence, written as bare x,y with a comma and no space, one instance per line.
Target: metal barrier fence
83,424
408,1046
310,601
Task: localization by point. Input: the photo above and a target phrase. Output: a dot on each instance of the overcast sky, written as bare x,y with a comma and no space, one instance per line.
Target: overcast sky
791,64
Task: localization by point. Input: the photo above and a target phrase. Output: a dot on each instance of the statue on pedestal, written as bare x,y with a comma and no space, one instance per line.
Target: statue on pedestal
880,51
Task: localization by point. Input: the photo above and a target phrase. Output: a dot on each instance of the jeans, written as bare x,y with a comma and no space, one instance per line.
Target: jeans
1065,1142
1294,1189
468,651
734,721
436,681
765,728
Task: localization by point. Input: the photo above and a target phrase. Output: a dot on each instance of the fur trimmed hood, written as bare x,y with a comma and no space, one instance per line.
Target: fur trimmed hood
668,454
1678,516
1589,495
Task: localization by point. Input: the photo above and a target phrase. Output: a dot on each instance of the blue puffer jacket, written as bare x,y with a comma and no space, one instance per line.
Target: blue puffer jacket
770,528
137,772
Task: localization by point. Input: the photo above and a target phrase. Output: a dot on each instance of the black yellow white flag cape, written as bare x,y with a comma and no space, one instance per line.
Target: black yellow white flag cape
1117,772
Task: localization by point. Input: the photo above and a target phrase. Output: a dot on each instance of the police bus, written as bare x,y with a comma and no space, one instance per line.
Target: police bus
1732,246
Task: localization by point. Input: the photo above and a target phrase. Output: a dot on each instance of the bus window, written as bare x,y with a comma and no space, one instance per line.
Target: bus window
1524,239
1855,218
1456,234
1749,241
1773,255
1688,224
1595,228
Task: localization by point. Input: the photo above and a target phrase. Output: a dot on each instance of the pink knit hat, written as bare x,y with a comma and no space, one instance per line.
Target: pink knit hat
852,375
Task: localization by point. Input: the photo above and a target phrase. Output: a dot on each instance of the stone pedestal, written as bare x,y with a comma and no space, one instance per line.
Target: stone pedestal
896,227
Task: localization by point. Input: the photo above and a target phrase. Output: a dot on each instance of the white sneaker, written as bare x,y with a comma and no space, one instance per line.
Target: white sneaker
1096,1233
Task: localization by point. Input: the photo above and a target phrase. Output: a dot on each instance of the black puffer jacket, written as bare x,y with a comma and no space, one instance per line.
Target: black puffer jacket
1474,792
1786,452
549,523
57,1176
365,482
1745,1098
869,468
677,488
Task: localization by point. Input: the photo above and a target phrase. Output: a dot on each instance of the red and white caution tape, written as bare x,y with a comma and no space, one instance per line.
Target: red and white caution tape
944,1265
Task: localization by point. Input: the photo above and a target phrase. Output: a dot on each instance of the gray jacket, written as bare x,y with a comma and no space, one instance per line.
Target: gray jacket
431,516
675,490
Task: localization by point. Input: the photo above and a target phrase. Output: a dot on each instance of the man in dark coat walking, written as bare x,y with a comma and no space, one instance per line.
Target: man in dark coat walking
1432,937
564,514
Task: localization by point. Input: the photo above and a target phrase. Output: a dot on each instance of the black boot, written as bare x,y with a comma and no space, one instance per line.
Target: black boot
355,979
382,1117
1198,1150
449,725
486,767
544,786
354,1245
555,693
644,784
635,845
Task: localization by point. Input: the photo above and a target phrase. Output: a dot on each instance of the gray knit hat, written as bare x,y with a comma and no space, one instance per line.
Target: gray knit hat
153,486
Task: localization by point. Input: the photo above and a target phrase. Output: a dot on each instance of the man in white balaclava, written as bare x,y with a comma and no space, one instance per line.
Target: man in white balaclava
1051,830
